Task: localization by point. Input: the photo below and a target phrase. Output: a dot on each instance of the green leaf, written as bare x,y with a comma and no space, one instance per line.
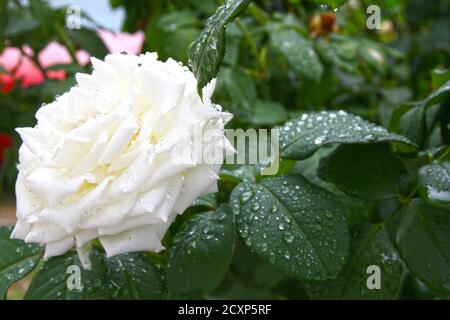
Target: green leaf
126,276
51,282
413,119
20,22
369,246
202,251
409,120
173,33
177,42
206,53
424,243
17,259
238,172
434,180
298,227
438,95
299,52
133,276
52,88
88,40
357,210
370,172
240,86
268,112
251,277
301,137
41,11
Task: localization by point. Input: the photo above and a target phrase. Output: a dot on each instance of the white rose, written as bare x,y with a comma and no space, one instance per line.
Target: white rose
107,159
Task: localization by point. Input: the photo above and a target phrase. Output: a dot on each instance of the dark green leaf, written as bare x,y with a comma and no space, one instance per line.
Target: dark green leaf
409,120
251,277
126,276
301,137
298,227
424,243
88,40
17,259
370,246
370,172
299,52
206,53
413,120
133,276
357,210
52,281
202,251
52,88
438,95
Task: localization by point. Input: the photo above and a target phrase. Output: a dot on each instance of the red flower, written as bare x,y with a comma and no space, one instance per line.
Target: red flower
5,142
6,83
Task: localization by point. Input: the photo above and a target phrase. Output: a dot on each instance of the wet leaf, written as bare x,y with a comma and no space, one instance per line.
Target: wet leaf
369,246
301,137
434,180
126,276
423,241
206,53
299,52
202,251
17,259
298,227
370,172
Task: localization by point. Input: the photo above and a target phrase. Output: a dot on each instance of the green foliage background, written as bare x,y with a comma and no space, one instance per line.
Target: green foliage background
365,163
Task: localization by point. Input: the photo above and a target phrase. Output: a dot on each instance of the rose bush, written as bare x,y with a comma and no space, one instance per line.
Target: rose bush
359,208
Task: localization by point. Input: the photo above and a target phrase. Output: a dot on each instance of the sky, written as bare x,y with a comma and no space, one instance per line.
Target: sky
99,10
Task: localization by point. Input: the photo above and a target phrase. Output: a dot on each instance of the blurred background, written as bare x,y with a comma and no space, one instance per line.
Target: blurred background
367,71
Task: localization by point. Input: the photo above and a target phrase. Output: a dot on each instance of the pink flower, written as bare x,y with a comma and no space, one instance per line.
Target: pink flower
21,68
123,41
54,54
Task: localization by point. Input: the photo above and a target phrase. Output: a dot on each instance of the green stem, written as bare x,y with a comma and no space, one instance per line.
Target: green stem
68,43
259,14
